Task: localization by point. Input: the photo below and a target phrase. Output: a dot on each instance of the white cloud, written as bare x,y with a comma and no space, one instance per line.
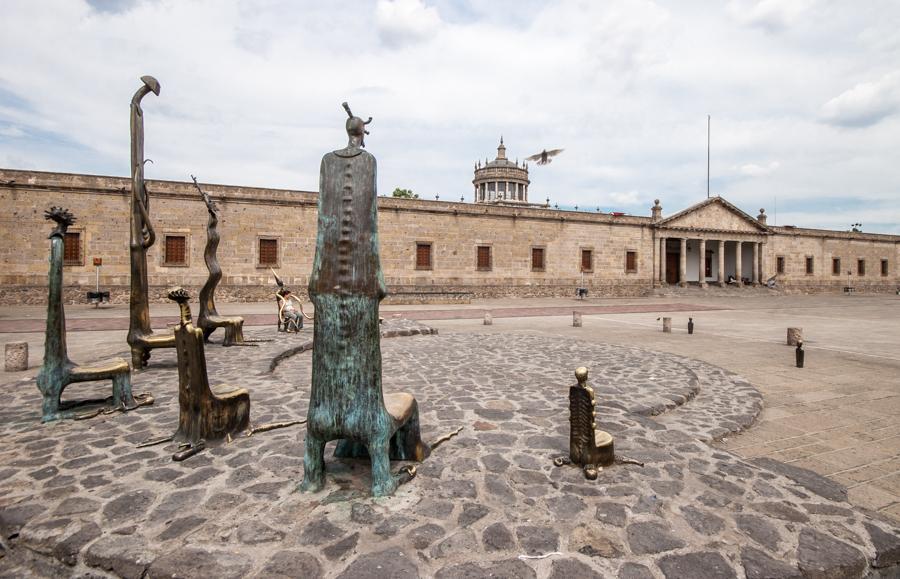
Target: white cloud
865,104
12,132
754,170
770,15
403,22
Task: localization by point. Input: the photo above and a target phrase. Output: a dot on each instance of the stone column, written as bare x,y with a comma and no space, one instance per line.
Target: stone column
737,263
702,271
755,264
682,266
721,256
760,266
662,261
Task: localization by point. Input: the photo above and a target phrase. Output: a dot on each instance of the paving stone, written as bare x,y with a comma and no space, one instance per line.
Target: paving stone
571,568
887,546
702,565
702,521
612,514
390,564
507,569
759,565
759,529
67,550
497,538
130,506
198,562
635,571
292,565
472,512
462,542
823,557
781,511
341,548
648,538
536,540
319,532
389,527
255,532
421,537
806,478
125,555
593,542
180,527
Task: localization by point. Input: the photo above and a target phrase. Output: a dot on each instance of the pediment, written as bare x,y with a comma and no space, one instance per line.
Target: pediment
713,214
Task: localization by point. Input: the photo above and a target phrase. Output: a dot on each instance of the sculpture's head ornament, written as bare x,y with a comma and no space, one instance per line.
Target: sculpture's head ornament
356,128
63,219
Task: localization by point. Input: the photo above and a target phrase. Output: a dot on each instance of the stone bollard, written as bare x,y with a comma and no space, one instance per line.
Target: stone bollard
16,356
488,320
794,335
576,319
667,325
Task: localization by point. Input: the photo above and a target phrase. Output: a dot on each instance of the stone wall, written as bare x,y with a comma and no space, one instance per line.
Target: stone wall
101,205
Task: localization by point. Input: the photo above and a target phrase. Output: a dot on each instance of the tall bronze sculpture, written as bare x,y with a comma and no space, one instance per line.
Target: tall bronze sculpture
208,318
346,285
140,336
589,447
58,371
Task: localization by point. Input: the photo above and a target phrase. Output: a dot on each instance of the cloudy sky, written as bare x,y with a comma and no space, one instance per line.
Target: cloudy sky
804,96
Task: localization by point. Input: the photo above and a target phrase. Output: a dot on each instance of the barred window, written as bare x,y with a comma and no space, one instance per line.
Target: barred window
809,265
268,252
884,267
484,257
630,261
537,259
175,250
72,248
423,256
860,267
836,266
779,264
587,260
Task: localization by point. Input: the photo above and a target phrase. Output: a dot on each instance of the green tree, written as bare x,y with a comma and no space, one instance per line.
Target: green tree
404,193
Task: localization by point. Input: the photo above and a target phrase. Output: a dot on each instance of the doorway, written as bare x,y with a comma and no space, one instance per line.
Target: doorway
673,266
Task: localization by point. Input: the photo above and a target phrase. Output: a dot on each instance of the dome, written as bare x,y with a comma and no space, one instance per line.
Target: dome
501,180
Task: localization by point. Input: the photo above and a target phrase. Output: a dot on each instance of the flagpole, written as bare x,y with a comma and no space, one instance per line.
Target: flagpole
707,155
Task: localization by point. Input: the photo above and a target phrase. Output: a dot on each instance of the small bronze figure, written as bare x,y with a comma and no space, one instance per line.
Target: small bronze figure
690,325
209,319
346,286
203,413
799,354
588,447
58,371
140,336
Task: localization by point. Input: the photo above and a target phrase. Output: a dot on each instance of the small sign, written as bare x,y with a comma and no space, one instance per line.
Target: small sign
98,261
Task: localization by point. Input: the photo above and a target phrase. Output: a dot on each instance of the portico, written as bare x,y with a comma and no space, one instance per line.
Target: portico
711,242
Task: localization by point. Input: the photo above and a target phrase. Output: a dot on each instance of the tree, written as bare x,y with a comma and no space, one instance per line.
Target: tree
404,193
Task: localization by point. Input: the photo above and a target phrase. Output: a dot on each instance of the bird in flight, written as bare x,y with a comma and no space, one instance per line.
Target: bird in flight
543,158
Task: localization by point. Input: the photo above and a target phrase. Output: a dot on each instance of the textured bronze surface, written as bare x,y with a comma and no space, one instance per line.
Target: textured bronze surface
209,319
203,413
58,371
346,286
140,336
588,447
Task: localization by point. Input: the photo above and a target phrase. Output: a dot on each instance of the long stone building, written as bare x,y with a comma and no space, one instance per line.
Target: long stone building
429,249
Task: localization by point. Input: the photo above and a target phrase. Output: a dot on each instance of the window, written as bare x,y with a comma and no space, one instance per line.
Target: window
884,267
175,250
484,258
630,262
537,259
423,256
587,260
860,267
268,252
809,265
836,266
779,264
72,248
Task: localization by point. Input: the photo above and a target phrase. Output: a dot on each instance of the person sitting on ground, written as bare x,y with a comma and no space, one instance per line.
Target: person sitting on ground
290,313
732,280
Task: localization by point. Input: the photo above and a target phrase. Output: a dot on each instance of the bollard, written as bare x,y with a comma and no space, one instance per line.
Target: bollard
667,325
800,354
488,320
794,335
576,319
690,325
16,356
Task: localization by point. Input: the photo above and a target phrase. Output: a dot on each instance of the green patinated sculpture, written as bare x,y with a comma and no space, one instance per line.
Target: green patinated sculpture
140,336
58,371
346,286
209,319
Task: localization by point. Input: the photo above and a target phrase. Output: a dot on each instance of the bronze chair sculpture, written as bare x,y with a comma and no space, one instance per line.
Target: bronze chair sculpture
589,447
58,371
140,337
346,285
203,413
208,318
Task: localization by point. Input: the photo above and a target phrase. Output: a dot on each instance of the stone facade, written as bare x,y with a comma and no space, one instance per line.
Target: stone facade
625,258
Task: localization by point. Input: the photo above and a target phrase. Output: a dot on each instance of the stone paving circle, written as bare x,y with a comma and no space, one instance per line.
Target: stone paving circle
77,498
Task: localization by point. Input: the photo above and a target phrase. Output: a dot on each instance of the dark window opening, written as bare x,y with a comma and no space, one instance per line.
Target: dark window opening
630,261
779,264
884,267
484,257
809,266
860,267
587,260
836,266
537,259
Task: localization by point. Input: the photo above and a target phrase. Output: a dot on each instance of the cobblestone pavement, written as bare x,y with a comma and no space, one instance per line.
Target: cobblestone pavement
77,497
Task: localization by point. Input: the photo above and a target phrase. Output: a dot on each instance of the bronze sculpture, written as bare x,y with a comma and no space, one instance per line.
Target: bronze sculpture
58,371
588,447
208,318
346,286
140,336
203,413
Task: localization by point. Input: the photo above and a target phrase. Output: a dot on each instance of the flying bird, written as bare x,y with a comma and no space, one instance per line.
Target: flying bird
543,158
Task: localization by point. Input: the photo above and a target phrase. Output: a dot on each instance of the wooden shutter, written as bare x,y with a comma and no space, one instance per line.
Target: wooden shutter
72,248
268,252
537,258
176,250
484,257
586,260
423,256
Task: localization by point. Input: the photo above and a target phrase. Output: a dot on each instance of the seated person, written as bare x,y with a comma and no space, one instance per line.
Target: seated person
731,279
290,313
